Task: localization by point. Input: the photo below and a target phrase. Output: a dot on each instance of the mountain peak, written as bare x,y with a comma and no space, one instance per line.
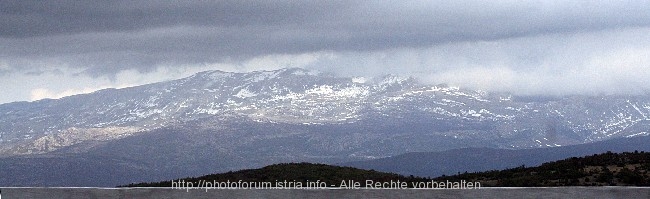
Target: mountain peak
296,71
255,75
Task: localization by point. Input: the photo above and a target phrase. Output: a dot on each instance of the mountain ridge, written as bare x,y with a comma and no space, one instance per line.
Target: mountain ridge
299,115
308,97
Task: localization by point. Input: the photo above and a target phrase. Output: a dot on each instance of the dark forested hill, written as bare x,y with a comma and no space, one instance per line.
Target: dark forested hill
296,173
607,169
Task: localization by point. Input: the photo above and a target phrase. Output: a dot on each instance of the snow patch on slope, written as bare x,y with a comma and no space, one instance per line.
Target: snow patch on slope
245,93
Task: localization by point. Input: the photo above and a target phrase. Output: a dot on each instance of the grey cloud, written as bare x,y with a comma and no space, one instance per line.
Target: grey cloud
105,37
43,18
595,63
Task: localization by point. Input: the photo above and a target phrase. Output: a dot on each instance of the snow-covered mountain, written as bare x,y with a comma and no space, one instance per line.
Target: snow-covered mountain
297,96
295,115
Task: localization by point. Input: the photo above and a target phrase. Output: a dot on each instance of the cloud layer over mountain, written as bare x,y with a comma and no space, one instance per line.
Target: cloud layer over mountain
54,48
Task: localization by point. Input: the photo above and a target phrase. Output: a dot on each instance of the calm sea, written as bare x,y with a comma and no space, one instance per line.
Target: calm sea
560,192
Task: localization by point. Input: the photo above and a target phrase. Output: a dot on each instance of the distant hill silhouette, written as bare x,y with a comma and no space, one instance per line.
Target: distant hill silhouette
451,162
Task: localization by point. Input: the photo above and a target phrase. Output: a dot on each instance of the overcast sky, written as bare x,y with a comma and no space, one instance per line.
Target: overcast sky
50,49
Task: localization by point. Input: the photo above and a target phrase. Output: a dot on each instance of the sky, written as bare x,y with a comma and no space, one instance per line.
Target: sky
51,49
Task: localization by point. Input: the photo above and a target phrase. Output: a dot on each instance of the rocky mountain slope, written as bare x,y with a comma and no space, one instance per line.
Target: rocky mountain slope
244,120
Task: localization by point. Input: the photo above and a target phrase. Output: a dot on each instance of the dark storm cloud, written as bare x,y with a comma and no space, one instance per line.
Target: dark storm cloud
42,18
105,37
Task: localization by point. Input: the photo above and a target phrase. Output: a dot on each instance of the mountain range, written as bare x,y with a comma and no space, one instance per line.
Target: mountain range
217,121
